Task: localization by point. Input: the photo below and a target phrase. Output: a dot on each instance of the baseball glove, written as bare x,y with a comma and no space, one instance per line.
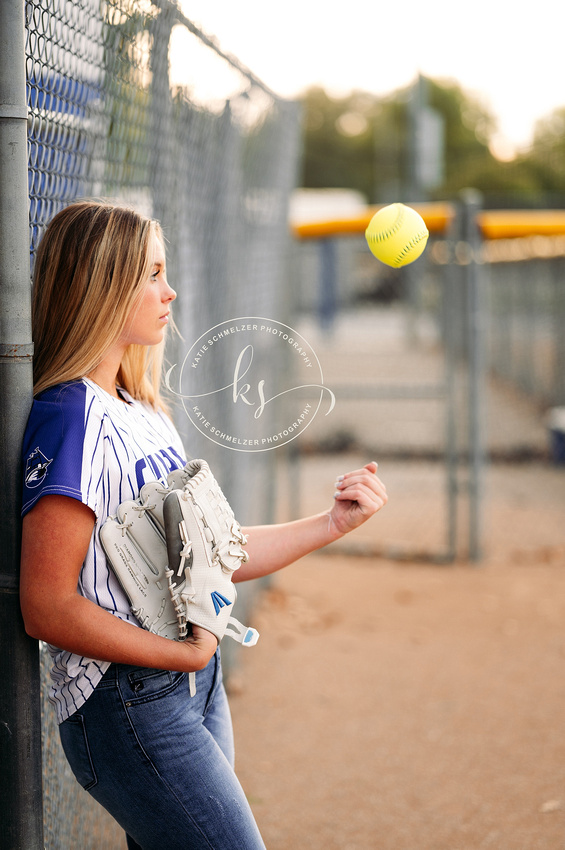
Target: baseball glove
174,551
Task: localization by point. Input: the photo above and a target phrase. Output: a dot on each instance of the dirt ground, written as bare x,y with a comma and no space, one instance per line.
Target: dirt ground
408,705
401,703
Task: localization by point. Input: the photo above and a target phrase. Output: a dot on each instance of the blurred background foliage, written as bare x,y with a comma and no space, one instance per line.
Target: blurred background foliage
362,142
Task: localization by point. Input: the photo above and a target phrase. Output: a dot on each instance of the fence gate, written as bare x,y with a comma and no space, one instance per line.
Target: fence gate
401,349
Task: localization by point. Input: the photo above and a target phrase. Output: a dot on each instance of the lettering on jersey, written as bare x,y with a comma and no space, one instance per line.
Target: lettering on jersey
36,468
157,466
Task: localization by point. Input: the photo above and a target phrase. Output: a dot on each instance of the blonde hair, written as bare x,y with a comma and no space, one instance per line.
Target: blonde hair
90,268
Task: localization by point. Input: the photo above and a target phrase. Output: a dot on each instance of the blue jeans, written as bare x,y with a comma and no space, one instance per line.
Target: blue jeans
161,761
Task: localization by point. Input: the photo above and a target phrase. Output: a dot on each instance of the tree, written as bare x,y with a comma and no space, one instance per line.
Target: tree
547,155
361,142
338,149
468,127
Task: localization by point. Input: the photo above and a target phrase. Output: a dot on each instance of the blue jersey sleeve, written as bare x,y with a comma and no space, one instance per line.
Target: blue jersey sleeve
54,445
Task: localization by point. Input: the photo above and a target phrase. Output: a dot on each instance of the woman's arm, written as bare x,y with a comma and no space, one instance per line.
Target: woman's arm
359,495
55,537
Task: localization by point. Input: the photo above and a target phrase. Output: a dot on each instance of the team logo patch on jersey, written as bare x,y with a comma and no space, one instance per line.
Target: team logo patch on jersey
36,468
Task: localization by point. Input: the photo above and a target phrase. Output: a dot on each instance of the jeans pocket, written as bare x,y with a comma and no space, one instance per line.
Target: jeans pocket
145,685
75,745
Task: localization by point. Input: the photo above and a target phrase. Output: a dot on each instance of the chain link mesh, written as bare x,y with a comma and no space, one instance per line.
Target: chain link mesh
129,100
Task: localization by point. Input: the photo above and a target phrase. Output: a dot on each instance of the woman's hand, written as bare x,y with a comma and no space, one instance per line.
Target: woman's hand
204,642
359,495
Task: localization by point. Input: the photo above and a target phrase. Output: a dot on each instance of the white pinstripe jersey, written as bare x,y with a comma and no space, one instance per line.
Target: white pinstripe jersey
82,442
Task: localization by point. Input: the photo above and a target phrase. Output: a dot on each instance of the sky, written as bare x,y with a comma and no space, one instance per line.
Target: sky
510,55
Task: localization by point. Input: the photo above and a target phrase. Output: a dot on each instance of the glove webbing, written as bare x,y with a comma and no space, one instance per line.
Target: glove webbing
187,592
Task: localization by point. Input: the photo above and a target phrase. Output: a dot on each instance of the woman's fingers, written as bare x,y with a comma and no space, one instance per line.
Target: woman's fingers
358,495
360,483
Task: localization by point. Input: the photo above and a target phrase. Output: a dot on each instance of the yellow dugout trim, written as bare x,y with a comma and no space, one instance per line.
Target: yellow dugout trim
510,224
437,217
494,224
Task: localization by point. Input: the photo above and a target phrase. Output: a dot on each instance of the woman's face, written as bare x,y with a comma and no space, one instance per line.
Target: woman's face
149,317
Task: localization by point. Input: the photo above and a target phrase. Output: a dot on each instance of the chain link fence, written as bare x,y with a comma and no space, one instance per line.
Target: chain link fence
129,100
447,372
392,362
526,306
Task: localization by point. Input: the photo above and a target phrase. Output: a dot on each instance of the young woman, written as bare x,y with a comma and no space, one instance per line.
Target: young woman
159,760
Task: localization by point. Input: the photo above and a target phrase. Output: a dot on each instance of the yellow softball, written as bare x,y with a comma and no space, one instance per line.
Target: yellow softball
397,235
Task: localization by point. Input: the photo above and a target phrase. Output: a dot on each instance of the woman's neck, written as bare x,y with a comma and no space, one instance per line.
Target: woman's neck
106,372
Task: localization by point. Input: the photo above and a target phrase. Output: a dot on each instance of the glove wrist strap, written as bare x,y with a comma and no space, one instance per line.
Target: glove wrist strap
244,635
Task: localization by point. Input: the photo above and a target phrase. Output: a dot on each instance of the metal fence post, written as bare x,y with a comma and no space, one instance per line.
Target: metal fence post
451,280
21,816
471,203
557,387
327,303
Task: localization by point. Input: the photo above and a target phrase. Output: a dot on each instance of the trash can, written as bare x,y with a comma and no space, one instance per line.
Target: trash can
556,428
